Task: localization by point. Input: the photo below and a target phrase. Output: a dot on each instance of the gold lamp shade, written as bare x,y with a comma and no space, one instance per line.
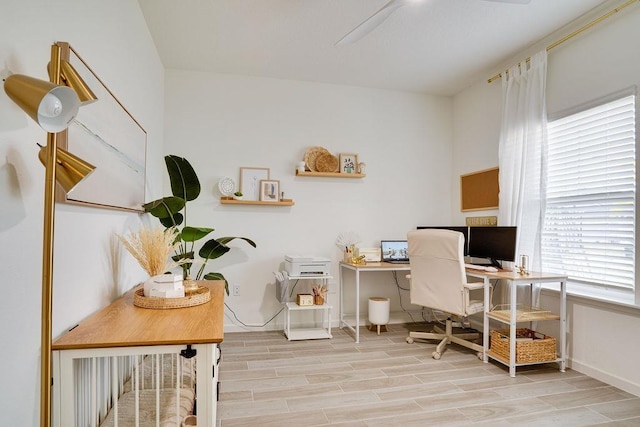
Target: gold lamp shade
74,81
52,106
70,169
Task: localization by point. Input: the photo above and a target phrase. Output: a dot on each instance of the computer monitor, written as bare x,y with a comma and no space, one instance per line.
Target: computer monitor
494,243
461,229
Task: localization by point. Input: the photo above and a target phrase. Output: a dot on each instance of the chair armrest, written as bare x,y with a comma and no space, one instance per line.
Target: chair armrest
474,285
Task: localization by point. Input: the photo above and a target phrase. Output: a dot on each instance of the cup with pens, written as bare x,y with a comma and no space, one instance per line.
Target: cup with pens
348,253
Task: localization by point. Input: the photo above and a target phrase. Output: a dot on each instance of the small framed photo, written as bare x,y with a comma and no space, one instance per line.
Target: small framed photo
250,182
348,163
269,190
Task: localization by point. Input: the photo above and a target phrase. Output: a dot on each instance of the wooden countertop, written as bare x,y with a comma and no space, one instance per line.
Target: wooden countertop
121,324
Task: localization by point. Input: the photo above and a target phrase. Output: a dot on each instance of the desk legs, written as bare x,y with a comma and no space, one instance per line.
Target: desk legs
357,306
513,291
342,322
487,308
341,310
563,325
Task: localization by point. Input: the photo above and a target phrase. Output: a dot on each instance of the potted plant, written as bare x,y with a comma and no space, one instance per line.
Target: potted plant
237,195
172,212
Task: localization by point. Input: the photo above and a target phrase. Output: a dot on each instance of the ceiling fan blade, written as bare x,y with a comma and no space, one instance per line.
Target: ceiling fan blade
371,22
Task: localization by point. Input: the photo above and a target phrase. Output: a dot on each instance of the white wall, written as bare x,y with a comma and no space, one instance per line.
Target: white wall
601,61
113,38
221,123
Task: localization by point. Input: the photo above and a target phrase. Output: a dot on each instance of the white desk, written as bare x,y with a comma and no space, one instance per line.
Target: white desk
357,268
512,317
513,278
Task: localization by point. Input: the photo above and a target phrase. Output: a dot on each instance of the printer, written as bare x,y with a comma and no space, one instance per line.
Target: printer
299,265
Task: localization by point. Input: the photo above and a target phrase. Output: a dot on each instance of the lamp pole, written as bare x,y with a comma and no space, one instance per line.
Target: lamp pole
53,106
47,257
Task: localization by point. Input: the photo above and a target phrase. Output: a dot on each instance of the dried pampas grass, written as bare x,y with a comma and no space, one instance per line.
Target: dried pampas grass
152,248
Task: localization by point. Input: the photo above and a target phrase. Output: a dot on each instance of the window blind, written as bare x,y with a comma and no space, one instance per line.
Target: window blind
589,226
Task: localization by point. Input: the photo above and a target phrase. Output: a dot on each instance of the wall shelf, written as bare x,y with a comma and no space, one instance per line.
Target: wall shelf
331,174
232,201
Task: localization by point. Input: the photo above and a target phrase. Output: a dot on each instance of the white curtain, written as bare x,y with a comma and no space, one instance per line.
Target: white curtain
522,155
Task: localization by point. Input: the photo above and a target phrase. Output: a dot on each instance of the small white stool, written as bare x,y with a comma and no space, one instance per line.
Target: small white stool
379,313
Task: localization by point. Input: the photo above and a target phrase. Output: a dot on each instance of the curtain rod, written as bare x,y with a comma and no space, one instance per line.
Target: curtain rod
573,34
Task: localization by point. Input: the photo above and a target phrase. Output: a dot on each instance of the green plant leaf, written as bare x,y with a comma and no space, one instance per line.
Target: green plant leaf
213,249
175,220
171,211
184,181
225,240
218,276
165,207
192,234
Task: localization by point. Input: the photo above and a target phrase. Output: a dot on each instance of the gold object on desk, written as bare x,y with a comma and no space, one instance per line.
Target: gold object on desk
352,256
523,268
359,260
190,285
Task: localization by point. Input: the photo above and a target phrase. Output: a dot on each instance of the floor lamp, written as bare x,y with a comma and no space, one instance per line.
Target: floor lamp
53,105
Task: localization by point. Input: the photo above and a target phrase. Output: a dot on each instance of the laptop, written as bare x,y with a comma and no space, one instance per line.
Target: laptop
394,251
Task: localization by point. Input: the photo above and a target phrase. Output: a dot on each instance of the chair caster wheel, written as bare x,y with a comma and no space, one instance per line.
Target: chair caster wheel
436,355
409,340
480,355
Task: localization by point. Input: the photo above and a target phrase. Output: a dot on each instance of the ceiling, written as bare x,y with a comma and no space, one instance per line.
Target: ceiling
432,46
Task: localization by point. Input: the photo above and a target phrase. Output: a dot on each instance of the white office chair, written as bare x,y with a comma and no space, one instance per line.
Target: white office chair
438,281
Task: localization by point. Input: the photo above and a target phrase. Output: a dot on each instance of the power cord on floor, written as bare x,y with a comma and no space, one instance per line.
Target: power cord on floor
252,326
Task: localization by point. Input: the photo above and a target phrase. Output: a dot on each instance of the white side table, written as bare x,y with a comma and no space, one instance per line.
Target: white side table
323,330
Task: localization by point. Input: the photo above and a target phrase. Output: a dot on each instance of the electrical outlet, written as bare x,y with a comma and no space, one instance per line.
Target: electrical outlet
236,290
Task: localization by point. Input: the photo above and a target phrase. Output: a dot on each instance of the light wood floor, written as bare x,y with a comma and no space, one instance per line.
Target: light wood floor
383,381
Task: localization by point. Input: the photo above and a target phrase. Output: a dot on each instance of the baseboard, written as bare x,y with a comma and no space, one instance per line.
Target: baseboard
605,377
395,317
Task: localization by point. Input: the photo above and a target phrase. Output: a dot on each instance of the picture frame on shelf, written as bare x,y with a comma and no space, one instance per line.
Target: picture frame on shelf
348,163
250,178
269,190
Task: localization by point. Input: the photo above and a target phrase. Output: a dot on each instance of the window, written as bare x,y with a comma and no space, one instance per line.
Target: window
589,226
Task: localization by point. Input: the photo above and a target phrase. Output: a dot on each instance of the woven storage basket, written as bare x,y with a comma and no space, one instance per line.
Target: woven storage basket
200,296
311,155
541,348
327,162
